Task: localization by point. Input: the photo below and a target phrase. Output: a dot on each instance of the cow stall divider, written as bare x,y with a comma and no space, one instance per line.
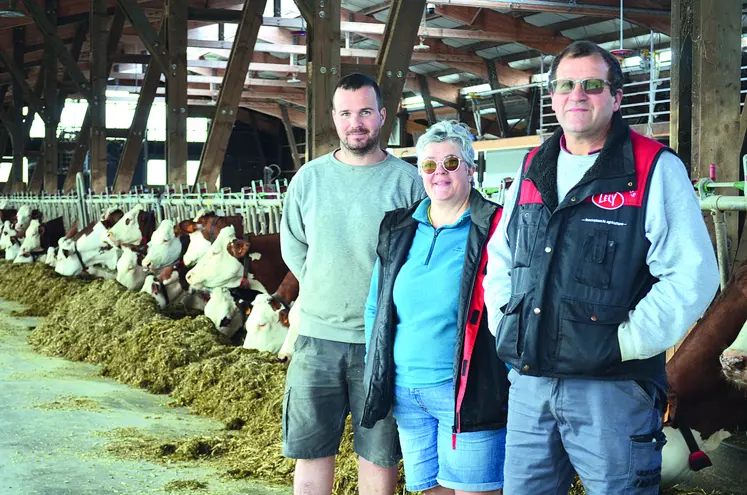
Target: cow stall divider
260,205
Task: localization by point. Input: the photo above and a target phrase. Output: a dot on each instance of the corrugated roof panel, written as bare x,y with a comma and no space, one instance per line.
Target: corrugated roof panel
502,51
603,27
457,43
545,18
444,23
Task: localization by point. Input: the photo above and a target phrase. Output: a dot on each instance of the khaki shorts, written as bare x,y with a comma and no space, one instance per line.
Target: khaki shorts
324,384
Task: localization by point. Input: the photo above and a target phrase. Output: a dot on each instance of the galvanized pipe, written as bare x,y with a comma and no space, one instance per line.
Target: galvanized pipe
722,248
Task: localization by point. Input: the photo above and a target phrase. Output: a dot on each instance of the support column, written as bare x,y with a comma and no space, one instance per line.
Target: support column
15,180
242,50
291,137
681,88
134,144
176,91
323,73
500,110
716,85
394,56
76,163
51,109
97,103
425,93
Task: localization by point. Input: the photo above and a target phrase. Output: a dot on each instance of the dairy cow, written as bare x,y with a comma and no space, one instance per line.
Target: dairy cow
9,242
84,250
39,238
267,326
133,230
130,273
226,313
165,247
700,397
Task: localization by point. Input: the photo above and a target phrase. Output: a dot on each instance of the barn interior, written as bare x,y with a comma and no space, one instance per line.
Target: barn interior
136,100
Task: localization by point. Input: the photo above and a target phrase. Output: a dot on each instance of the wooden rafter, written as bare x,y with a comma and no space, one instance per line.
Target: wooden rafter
290,136
214,151
145,30
131,152
49,30
394,56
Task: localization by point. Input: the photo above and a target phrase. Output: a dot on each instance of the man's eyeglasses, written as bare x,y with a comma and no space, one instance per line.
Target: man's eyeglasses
589,86
451,164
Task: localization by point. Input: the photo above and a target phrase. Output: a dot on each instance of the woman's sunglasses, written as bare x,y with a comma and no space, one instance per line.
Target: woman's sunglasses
590,86
450,164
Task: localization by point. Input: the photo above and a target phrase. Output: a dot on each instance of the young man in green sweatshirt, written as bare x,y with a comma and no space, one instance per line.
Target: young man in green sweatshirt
329,231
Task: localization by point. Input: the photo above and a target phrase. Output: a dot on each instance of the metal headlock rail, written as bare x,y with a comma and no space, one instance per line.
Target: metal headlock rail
719,205
260,205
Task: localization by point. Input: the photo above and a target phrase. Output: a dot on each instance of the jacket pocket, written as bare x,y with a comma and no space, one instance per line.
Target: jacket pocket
508,341
588,343
597,254
526,237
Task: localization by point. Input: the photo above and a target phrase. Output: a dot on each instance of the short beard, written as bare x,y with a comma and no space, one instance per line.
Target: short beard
372,144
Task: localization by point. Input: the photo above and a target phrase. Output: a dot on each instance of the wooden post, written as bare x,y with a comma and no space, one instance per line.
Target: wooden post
15,179
242,51
323,73
97,102
534,111
50,106
716,98
176,91
76,163
425,93
291,137
403,117
131,151
394,56
500,110
681,88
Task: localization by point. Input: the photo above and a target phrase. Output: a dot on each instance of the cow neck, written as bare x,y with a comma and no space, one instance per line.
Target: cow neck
138,248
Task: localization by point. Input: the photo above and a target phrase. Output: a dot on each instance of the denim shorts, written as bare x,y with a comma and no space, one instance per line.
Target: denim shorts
323,385
425,417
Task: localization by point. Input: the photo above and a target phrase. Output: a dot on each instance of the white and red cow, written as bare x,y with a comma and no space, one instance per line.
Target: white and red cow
129,271
9,241
700,397
294,315
164,248
226,314
267,327
133,230
39,238
203,231
220,266
84,250
165,292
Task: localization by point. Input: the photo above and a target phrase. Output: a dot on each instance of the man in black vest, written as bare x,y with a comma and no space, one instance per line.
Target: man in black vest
601,262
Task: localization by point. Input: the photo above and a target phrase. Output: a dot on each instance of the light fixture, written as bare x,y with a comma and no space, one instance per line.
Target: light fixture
622,52
294,78
421,47
11,10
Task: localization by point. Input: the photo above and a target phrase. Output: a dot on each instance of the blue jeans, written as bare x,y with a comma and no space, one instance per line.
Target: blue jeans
609,432
425,417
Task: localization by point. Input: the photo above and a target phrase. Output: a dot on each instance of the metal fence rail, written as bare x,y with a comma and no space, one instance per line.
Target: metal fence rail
260,205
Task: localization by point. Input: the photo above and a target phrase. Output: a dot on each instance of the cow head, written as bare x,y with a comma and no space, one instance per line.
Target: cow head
164,247
23,218
67,263
129,272
218,267
267,325
111,217
51,256
32,242
127,229
223,311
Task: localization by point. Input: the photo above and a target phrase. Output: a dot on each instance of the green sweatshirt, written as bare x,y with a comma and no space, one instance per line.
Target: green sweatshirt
329,233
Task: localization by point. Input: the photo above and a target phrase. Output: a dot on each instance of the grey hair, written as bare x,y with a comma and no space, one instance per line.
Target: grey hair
449,130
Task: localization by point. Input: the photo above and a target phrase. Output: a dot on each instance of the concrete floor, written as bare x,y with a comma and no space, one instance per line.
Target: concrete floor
728,474
54,451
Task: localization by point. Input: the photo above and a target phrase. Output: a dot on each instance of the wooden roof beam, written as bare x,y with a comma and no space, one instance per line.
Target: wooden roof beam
520,31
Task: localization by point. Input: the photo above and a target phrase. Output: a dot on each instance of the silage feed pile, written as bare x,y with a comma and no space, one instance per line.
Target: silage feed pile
36,285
